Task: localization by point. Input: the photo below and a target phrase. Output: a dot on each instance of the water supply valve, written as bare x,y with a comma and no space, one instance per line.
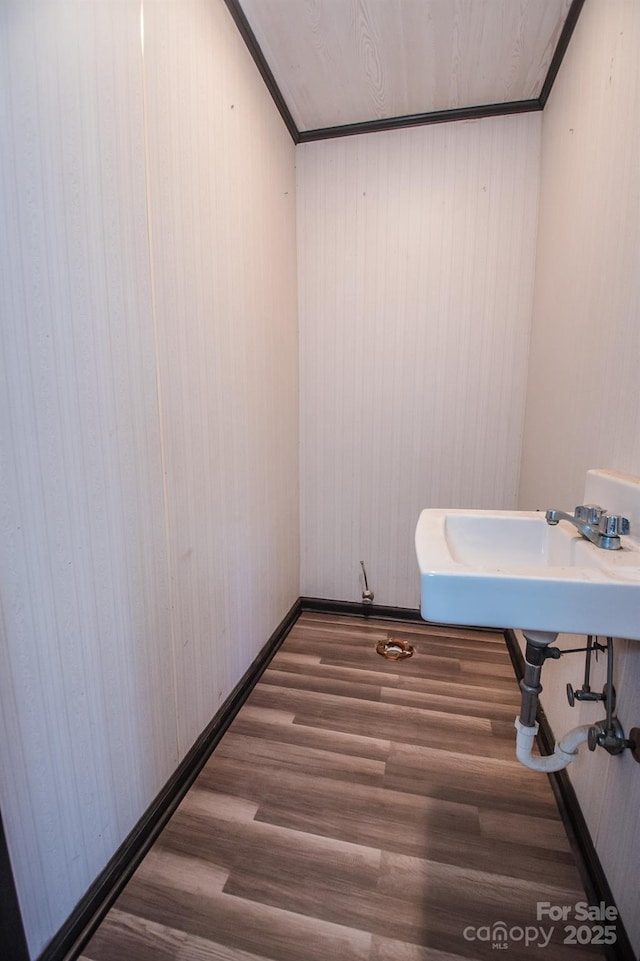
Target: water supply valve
584,695
610,737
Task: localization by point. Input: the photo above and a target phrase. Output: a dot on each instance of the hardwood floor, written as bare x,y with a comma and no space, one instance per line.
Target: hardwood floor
358,809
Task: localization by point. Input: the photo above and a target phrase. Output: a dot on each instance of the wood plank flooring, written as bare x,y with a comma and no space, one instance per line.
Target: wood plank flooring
358,809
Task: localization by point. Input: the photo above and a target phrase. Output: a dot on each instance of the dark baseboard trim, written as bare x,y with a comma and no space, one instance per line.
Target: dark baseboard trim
592,874
67,944
12,936
322,605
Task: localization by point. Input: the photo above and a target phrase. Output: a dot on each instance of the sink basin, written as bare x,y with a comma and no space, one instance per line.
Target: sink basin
511,569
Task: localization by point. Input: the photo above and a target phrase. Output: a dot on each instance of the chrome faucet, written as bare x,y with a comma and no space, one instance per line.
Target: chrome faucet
595,524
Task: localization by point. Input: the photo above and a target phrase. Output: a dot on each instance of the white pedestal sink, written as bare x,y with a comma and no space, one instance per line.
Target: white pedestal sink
511,569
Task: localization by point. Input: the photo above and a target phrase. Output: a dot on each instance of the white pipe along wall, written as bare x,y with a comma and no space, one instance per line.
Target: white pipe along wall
565,751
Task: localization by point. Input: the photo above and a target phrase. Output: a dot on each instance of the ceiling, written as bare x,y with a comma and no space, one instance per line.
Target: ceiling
340,66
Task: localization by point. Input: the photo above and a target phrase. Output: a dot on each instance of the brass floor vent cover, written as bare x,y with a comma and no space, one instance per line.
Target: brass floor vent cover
394,648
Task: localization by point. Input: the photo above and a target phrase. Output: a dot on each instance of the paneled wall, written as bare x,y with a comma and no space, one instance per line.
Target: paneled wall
87,702
416,257
583,402
148,413
222,189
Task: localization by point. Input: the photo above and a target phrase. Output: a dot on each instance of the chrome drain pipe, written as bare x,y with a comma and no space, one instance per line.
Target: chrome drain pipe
566,750
535,656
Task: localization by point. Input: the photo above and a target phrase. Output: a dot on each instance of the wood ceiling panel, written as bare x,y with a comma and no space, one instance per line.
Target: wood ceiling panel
351,61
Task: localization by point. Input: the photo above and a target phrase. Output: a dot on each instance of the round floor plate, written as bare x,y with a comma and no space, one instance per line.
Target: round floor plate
394,648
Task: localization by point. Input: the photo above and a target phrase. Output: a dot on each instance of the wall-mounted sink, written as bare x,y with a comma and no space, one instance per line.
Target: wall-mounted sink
511,569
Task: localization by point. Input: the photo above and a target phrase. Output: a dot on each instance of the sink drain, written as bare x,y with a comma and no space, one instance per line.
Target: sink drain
394,648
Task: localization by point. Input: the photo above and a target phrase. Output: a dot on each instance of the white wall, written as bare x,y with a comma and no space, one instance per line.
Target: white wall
222,191
416,255
583,402
88,712
148,413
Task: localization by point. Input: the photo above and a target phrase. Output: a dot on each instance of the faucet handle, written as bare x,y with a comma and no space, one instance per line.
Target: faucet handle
589,514
611,524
